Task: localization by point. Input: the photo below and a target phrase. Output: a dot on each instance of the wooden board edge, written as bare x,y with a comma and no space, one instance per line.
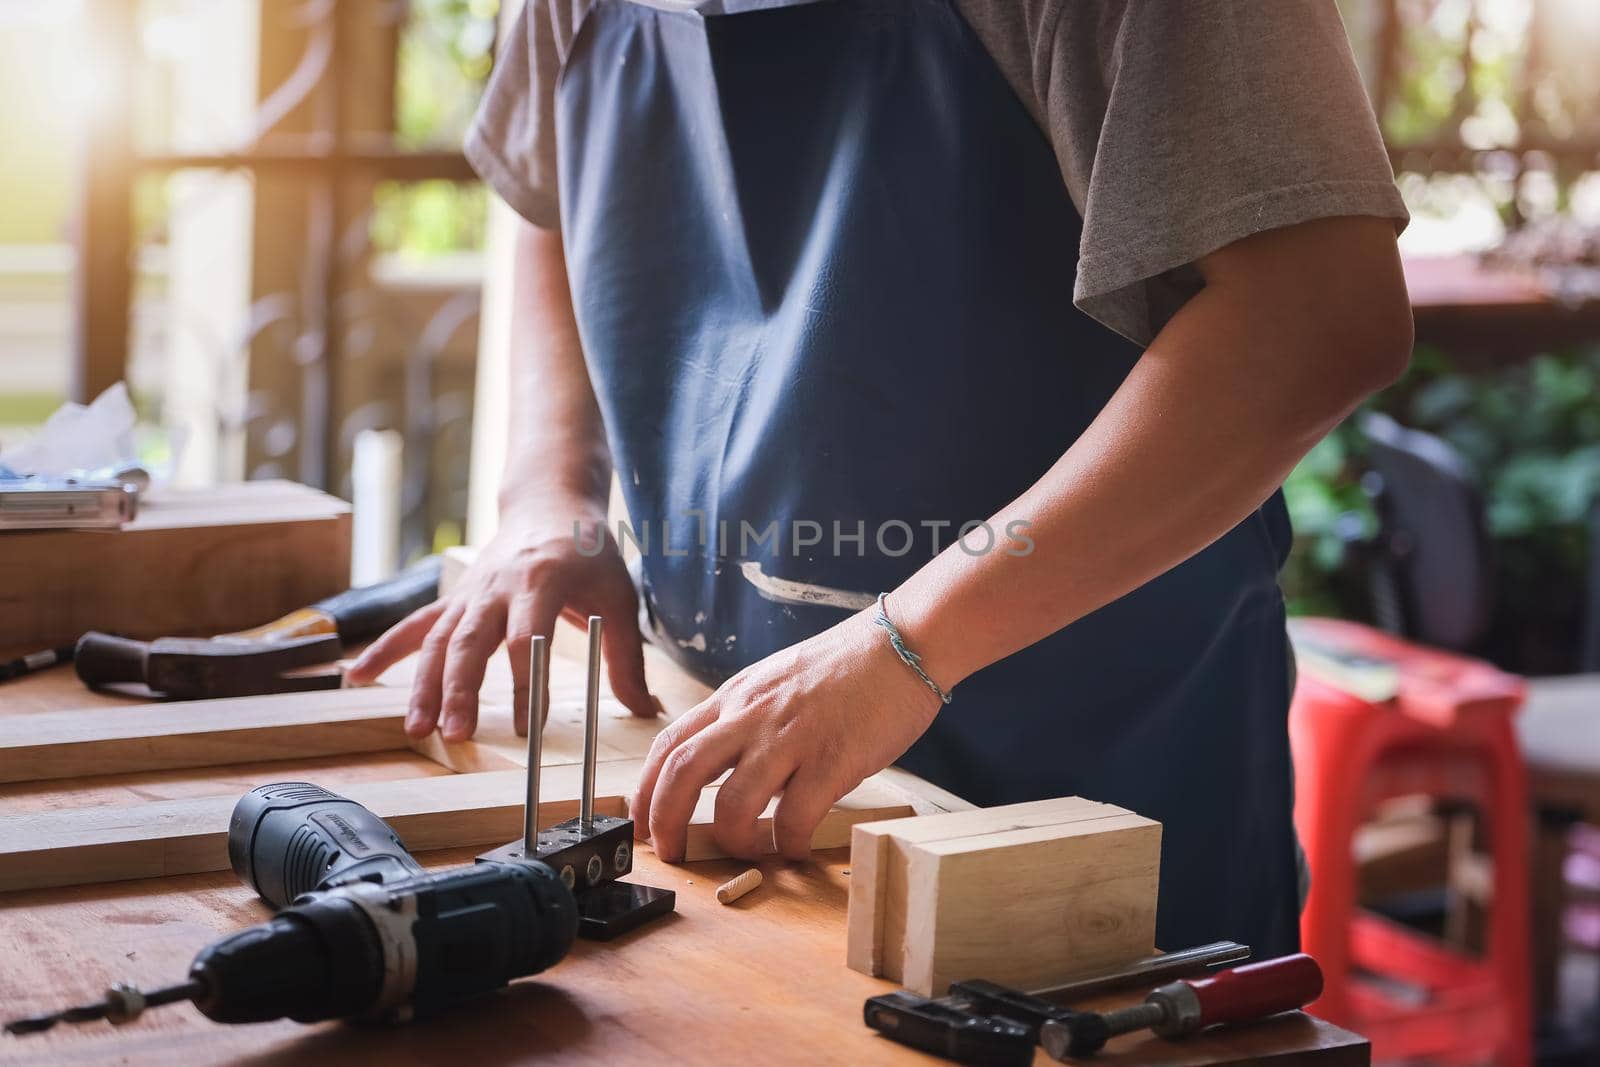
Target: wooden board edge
42,850
462,757
869,858
1118,820
199,733
924,797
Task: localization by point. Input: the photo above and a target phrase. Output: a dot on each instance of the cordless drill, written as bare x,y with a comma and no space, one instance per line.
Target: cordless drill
366,933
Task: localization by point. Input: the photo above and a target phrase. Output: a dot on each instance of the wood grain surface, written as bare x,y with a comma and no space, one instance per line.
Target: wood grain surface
202,733
1027,895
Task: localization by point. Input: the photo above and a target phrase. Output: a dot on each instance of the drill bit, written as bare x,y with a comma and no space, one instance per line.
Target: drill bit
121,1004
591,726
538,704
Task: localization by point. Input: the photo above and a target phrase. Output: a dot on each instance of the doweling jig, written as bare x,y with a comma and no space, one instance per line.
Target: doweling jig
365,932
592,852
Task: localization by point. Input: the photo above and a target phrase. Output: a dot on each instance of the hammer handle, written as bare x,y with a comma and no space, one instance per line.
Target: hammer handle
360,614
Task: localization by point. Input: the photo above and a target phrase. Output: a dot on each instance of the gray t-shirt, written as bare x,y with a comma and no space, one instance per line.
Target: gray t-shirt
1180,127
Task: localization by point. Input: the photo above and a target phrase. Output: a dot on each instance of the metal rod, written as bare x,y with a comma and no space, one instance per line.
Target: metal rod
1152,970
591,726
538,701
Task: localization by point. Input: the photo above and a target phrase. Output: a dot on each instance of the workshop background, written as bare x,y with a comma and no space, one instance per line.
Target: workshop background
256,214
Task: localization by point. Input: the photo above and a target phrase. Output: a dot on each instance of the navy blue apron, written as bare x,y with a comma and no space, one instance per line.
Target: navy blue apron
822,262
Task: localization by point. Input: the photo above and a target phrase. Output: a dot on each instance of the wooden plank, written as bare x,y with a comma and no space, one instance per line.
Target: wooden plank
496,745
193,563
75,847
199,733
464,757
235,779
870,801
1026,895
133,737
924,797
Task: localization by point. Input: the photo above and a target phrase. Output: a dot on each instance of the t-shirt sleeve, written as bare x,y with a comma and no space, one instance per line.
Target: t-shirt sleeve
512,140
1182,127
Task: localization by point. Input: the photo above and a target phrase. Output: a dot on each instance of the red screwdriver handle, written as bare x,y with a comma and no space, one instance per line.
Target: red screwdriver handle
1257,990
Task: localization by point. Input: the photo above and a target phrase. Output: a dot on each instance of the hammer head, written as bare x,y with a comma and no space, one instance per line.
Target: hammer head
185,668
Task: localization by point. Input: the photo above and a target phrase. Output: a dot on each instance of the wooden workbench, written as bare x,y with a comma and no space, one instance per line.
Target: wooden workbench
761,981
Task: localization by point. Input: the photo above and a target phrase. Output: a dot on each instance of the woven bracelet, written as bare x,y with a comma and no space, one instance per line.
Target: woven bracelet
910,658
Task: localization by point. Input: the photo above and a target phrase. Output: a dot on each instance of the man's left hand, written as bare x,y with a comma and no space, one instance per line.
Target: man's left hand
809,723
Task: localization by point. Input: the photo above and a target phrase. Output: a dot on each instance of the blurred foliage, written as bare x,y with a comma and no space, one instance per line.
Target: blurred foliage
1531,432
446,50
432,218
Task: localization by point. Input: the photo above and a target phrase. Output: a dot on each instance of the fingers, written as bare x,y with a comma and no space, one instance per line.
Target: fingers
624,651
674,736
398,642
429,680
674,733
806,801
743,798
688,769
530,614
476,635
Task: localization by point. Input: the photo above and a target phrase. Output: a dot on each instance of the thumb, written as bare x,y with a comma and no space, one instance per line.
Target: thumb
624,651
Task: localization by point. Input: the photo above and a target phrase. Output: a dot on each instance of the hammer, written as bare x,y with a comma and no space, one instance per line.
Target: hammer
254,662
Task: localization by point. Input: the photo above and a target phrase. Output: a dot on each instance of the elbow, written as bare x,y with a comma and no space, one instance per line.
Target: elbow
1333,293
1364,344
1382,351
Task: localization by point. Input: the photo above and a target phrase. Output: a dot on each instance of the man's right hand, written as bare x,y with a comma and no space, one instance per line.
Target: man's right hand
530,573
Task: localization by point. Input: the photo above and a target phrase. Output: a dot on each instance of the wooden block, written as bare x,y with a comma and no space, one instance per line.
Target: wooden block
1027,895
869,801
199,733
161,838
195,562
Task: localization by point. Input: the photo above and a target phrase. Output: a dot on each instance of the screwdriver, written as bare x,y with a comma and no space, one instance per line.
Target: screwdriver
1176,1009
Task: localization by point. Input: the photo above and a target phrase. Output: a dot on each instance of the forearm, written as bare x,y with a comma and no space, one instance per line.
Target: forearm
556,451
1234,391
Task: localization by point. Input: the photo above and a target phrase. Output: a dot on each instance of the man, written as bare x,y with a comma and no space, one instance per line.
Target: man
1018,312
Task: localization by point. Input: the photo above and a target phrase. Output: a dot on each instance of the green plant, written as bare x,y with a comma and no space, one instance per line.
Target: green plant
1532,434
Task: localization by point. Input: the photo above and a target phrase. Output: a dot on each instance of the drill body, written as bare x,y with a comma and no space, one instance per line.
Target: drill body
363,930
390,951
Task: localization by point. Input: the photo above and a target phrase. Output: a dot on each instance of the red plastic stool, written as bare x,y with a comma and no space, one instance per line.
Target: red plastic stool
1448,733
